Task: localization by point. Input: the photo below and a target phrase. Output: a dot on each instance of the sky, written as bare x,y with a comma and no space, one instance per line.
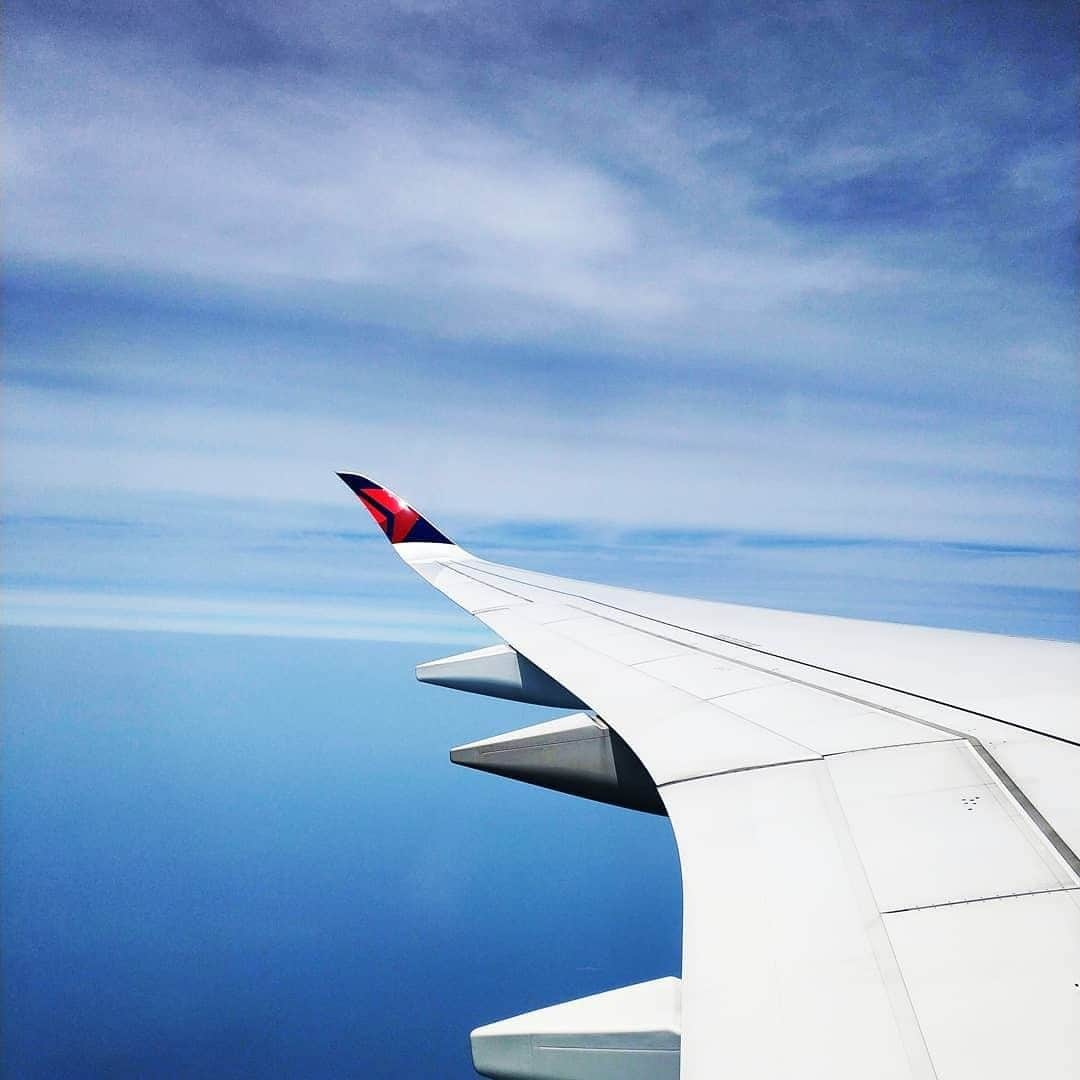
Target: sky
769,303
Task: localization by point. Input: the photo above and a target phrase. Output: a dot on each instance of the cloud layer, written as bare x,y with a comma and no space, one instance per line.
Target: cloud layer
805,272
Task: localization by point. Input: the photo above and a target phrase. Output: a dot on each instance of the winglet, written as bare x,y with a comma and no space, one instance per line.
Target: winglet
399,521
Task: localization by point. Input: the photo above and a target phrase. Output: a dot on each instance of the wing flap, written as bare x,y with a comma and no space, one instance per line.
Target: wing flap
994,985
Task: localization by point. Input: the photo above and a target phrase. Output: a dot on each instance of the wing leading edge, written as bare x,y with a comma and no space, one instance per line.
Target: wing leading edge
877,824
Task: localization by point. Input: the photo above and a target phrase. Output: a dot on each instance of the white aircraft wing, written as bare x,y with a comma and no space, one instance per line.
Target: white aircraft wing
877,826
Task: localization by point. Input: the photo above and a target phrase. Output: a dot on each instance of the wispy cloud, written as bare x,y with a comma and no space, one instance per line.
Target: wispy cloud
732,464
230,617
592,205
402,208
805,272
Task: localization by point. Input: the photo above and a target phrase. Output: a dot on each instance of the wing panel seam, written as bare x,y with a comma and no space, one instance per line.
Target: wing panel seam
982,899
1056,841
786,659
738,769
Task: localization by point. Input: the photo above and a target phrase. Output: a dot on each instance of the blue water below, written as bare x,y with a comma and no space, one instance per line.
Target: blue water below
229,856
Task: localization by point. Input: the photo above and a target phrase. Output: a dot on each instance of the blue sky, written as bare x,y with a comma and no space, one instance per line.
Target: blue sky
771,303
610,269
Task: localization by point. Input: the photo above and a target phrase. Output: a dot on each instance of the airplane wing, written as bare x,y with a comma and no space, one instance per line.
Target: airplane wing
877,824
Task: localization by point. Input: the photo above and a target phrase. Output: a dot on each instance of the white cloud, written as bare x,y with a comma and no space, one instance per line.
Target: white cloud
88,610
677,459
728,370
587,214
1046,173
406,208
